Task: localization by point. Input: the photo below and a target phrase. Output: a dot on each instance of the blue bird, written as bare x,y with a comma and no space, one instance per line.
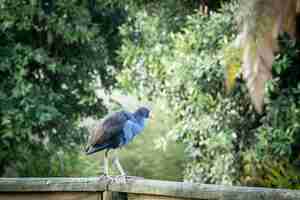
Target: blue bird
115,131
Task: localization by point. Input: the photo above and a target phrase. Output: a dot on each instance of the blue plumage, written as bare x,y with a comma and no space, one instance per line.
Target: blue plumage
118,130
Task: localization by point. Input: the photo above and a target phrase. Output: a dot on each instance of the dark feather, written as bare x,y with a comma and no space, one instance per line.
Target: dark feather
110,127
96,148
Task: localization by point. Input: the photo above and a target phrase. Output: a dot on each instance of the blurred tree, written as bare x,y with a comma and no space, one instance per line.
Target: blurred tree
52,55
262,21
53,52
187,65
183,66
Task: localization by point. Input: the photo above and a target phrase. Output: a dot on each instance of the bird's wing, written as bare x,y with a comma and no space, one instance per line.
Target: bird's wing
110,126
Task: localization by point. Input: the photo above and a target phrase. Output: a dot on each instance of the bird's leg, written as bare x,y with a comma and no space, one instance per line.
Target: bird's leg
118,164
106,167
122,177
106,162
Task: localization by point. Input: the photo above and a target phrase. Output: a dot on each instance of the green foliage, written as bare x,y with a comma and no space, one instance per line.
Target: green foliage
187,66
232,62
49,67
271,160
183,65
281,125
67,164
52,58
51,62
272,173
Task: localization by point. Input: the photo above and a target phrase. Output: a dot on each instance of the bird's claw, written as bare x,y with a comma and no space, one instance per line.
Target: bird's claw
120,179
106,177
125,178
116,179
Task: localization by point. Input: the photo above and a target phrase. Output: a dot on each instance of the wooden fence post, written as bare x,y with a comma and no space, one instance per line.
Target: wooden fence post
108,195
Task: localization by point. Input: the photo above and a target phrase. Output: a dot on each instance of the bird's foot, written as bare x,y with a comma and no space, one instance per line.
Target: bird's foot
120,179
125,178
106,177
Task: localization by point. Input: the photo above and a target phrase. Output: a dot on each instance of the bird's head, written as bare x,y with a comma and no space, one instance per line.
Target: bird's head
142,112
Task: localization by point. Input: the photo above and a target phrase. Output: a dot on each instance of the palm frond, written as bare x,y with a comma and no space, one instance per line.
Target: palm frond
262,22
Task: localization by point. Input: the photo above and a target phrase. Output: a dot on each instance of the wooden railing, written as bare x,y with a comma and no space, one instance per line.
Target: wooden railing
134,189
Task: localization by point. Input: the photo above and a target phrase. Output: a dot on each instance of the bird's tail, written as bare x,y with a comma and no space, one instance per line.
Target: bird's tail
88,150
93,149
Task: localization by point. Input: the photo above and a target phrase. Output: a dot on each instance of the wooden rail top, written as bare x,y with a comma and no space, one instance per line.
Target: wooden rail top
165,189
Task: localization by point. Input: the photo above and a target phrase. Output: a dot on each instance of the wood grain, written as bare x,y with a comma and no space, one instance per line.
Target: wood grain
203,191
152,197
52,184
51,196
148,189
